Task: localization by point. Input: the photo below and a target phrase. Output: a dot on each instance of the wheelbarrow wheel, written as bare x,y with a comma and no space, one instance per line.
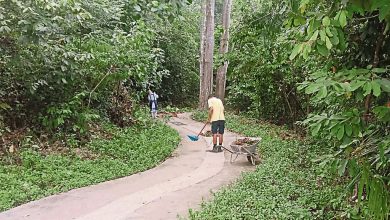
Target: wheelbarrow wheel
251,159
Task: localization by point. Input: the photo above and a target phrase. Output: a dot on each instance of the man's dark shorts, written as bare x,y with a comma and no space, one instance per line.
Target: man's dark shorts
218,127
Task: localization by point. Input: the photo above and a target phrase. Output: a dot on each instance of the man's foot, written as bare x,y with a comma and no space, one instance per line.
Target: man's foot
219,148
214,150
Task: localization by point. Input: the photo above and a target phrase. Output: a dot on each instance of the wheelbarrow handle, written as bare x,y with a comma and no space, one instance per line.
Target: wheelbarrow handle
227,149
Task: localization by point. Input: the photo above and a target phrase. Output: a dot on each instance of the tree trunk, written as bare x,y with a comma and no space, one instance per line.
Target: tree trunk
379,44
206,53
224,47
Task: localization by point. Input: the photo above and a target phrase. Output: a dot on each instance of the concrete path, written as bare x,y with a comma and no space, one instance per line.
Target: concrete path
164,192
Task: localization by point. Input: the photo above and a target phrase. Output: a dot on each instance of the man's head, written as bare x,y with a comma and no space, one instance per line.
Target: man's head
212,95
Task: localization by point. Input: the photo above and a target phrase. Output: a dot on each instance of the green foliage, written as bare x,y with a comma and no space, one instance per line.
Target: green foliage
350,101
180,41
174,109
331,24
129,151
56,52
199,116
69,112
64,64
328,62
288,184
261,78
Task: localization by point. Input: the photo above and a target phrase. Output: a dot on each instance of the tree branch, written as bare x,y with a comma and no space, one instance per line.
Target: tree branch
97,85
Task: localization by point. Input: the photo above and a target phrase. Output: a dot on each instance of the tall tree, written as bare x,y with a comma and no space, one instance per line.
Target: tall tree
224,47
206,53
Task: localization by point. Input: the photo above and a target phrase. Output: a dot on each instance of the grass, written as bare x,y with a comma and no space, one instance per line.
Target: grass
286,185
129,151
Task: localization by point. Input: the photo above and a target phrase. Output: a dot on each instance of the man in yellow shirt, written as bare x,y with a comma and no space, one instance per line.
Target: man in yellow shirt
217,120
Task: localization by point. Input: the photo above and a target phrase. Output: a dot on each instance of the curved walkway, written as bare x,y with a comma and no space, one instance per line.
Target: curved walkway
164,192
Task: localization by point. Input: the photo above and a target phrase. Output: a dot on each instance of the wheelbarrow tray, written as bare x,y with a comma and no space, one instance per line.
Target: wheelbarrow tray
250,151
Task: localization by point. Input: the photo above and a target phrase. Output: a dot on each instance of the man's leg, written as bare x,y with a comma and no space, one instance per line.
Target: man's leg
215,139
221,131
220,137
220,142
214,131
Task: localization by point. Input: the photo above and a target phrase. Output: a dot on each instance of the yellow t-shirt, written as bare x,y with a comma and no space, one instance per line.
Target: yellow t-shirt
218,109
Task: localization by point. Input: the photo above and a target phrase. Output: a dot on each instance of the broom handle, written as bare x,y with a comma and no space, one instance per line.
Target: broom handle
202,128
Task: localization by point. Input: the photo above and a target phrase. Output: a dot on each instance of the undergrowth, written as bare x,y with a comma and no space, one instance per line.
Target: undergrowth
288,183
128,151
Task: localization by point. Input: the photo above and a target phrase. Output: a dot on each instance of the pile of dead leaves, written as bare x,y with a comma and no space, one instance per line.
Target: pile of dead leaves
244,142
121,108
290,135
167,114
11,143
207,134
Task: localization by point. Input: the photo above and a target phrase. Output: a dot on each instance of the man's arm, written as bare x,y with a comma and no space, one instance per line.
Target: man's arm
210,114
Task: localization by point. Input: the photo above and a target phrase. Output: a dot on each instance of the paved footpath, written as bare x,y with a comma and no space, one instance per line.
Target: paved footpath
164,192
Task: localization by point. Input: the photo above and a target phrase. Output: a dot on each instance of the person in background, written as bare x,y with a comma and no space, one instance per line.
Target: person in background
152,98
216,117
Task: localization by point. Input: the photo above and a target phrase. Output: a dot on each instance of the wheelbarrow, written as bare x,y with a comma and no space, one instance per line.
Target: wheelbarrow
245,150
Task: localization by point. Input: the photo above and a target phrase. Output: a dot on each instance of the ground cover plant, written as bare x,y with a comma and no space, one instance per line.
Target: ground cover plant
127,151
288,184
